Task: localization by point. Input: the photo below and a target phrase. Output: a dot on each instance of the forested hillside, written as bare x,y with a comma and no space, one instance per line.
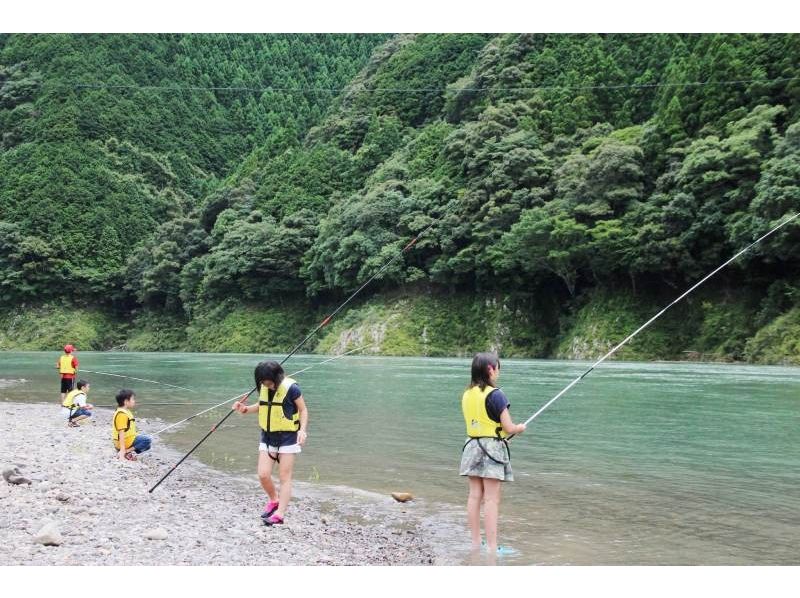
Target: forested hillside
105,137
574,183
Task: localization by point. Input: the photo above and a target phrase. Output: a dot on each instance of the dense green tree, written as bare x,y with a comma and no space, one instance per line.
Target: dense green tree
190,172
153,272
545,240
105,137
27,265
776,198
258,259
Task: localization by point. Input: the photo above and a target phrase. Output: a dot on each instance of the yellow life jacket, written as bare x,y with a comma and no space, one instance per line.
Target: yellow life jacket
479,424
270,411
69,400
130,431
65,364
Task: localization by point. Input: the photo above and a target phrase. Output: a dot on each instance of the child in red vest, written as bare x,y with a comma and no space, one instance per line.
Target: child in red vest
67,366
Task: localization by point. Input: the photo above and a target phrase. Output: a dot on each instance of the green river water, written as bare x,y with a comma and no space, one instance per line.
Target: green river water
640,463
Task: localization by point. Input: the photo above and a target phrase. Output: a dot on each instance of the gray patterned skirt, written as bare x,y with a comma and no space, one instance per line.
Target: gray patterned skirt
489,459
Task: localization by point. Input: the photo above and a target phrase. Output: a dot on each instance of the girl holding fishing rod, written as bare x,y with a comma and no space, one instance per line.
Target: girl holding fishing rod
484,409
283,418
485,458
240,405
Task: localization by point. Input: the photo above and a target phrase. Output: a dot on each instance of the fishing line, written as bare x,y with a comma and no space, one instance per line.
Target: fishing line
226,401
142,380
653,319
207,391
160,404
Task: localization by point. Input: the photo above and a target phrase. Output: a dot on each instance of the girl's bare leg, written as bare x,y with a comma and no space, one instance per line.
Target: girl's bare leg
491,509
285,472
474,509
265,475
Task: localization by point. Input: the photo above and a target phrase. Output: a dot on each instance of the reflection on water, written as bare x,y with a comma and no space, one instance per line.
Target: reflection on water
663,463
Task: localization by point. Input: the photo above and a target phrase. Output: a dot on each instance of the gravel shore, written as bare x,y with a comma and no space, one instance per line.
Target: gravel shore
85,507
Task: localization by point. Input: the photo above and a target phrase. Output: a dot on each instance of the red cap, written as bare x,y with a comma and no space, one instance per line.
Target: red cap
68,348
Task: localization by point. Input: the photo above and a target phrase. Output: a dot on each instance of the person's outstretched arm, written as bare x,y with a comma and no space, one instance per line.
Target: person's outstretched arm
510,427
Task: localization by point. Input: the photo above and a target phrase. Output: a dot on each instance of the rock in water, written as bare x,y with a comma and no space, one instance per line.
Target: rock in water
49,535
402,496
158,533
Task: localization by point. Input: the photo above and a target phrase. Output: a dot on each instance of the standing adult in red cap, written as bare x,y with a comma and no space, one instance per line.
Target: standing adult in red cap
67,366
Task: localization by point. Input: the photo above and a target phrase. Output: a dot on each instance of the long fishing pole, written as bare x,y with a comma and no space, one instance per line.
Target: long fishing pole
239,395
319,327
653,319
327,320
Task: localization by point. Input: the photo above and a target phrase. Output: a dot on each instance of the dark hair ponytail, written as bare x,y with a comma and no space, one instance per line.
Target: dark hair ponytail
268,370
480,369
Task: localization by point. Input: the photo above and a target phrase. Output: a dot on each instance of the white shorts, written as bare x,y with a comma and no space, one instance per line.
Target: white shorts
289,448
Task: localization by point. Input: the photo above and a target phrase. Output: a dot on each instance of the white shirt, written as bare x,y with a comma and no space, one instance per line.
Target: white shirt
78,401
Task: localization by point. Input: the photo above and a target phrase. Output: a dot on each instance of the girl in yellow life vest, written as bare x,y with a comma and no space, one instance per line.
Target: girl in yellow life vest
283,418
485,458
123,428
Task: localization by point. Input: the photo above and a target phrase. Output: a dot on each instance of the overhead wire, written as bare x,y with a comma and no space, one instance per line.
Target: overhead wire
365,88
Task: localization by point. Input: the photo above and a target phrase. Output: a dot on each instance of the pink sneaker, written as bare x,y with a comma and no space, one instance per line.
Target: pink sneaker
273,520
269,509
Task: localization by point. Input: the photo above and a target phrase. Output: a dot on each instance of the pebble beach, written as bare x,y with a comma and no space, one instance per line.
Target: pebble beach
65,499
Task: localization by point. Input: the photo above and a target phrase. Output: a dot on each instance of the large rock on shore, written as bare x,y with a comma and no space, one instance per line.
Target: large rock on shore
158,533
12,475
49,534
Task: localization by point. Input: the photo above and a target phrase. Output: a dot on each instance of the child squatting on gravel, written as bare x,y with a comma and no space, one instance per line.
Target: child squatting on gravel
74,406
283,418
123,433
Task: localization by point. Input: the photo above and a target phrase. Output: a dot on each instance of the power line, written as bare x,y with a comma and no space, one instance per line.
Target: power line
363,88
260,129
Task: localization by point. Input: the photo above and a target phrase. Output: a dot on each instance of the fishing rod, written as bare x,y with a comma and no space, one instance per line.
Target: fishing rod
321,325
237,396
651,320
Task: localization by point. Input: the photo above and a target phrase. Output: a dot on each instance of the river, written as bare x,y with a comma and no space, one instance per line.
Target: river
640,463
